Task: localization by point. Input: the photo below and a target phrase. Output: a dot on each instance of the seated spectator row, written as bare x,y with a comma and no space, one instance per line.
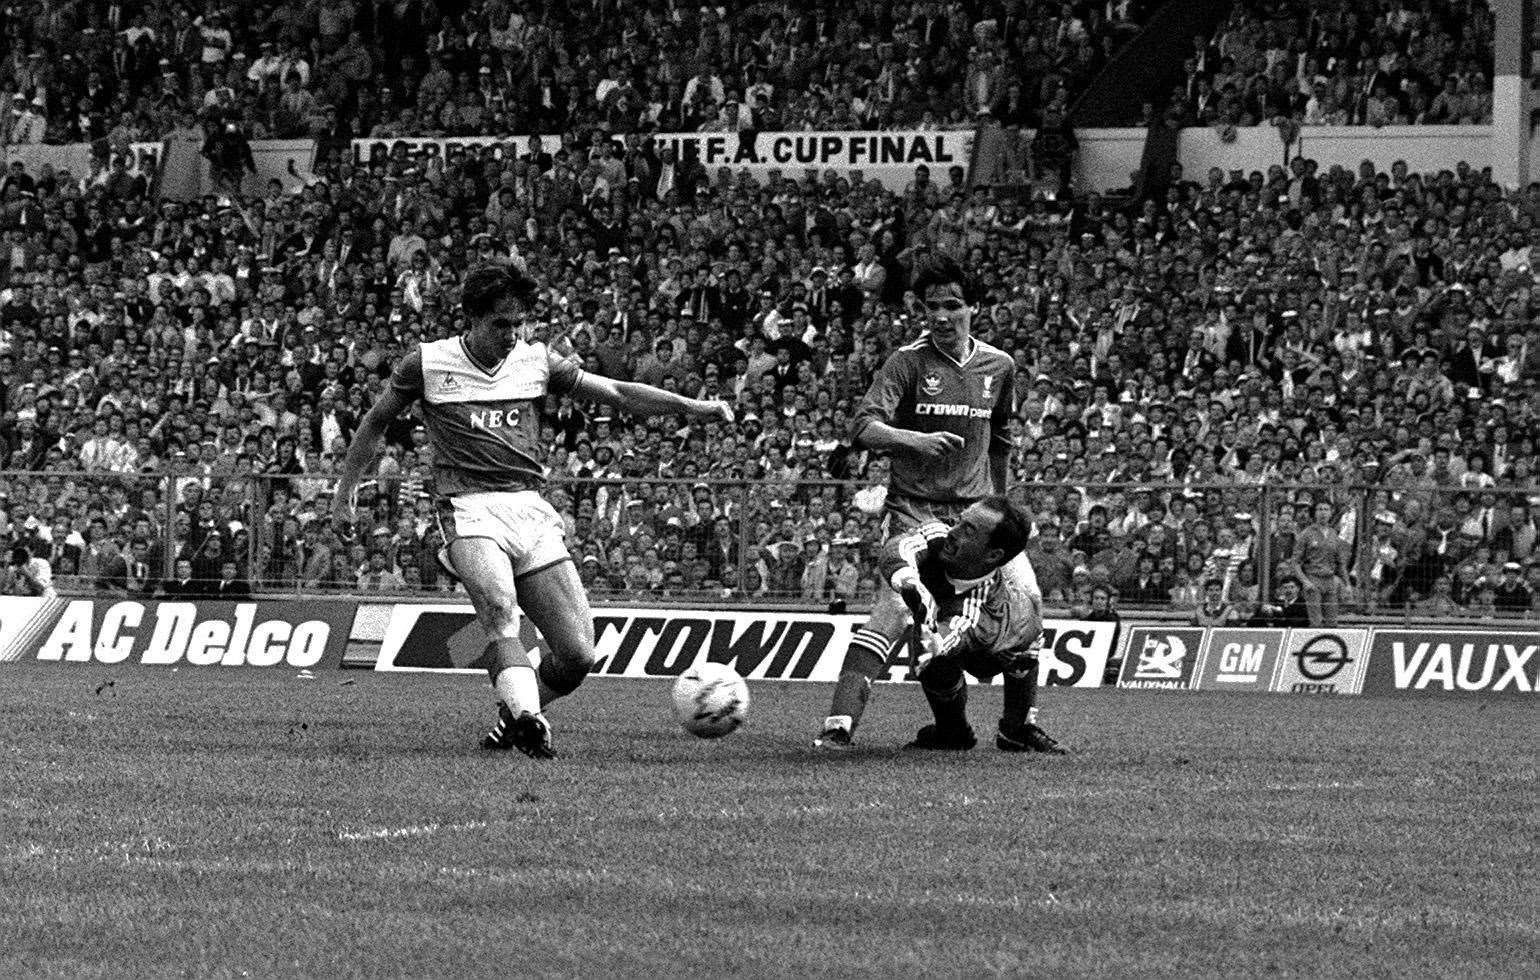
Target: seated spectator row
334,69
1274,330
1340,64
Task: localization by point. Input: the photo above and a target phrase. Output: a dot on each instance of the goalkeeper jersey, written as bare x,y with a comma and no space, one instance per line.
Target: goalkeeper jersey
997,613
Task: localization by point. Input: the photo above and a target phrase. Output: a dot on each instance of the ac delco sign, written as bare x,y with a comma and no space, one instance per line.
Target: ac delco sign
201,634
1453,662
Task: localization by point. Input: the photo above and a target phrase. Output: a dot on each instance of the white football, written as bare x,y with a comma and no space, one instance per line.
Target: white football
710,700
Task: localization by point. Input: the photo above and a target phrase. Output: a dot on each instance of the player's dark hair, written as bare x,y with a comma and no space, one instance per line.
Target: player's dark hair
486,284
939,269
1010,535
20,554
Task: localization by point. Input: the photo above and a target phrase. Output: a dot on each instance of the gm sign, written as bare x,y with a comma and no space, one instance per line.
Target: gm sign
1240,659
1322,662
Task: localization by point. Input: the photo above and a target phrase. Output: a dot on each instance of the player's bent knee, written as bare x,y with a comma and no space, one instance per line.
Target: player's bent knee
572,653
889,617
498,618
557,605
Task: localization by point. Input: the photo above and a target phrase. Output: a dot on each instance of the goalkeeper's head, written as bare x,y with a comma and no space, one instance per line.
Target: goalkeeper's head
986,536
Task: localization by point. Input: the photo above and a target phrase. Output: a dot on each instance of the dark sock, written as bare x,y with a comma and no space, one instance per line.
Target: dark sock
1021,695
947,691
557,680
866,659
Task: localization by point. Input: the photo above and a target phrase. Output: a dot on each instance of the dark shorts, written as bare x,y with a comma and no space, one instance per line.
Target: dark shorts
904,514
987,664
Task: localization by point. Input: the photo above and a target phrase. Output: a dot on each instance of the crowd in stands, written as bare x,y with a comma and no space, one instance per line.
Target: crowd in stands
1340,63
333,69
1246,350
1248,334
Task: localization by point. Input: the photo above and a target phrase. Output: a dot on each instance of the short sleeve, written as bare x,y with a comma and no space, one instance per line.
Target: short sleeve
564,373
894,382
407,379
1005,407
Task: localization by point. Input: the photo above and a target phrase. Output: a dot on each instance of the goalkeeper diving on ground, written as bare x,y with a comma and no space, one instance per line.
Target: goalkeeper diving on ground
977,610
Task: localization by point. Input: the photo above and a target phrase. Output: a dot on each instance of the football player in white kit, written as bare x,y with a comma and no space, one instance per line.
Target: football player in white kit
480,394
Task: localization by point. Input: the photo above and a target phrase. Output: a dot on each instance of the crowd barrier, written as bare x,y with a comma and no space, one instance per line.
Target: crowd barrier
663,643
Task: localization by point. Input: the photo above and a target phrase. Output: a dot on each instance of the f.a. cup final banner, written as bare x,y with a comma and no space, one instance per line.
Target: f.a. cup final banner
889,157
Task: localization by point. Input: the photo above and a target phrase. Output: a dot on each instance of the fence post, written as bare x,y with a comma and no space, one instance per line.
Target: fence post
743,540
168,528
1265,546
1363,559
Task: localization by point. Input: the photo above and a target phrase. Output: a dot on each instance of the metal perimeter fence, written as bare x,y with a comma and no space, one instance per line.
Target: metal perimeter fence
1160,550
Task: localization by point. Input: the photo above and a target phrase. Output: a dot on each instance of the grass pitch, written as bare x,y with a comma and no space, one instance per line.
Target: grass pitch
210,823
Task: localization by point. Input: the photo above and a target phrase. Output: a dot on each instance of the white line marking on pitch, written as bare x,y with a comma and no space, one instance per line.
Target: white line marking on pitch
417,830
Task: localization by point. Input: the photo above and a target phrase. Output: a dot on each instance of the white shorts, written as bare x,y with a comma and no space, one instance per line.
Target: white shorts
521,522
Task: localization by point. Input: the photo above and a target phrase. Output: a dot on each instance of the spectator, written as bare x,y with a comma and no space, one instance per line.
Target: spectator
1287,610
229,584
27,574
182,584
1214,610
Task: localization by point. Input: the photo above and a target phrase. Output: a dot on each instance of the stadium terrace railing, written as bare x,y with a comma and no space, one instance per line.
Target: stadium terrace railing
796,543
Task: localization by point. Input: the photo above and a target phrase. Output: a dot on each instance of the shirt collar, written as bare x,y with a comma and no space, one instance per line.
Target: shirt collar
962,585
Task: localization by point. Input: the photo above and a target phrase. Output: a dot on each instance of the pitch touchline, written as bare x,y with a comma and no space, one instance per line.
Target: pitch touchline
418,830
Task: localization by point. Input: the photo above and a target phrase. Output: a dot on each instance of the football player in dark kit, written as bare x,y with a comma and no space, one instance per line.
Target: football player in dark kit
941,407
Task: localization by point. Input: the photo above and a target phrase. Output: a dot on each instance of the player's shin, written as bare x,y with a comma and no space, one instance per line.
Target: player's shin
513,676
558,678
865,660
947,691
1021,695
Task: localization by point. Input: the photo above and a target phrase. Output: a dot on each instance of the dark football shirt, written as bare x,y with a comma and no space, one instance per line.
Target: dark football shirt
924,390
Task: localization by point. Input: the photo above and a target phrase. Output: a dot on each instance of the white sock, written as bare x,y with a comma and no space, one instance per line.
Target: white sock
842,722
518,689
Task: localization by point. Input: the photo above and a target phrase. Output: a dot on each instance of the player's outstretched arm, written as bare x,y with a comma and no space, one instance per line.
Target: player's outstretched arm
640,399
366,443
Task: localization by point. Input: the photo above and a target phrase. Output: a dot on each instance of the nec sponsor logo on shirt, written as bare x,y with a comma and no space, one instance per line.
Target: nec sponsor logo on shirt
1161,659
206,634
494,418
1439,661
